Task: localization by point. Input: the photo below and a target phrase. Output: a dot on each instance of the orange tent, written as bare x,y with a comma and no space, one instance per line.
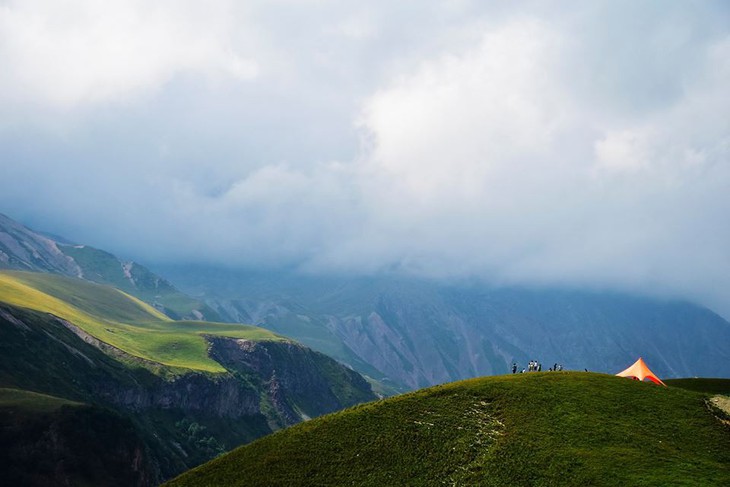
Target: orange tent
640,371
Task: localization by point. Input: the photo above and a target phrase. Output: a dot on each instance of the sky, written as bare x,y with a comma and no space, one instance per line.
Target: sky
580,144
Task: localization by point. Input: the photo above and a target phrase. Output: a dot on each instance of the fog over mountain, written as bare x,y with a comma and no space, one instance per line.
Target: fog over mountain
541,143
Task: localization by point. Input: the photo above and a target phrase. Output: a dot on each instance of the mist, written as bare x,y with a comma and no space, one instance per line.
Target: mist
524,144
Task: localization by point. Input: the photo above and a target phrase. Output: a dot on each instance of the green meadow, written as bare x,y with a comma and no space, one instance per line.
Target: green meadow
123,321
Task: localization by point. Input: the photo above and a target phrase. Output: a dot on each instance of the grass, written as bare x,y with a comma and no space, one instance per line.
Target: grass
32,401
123,321
538,429
705,385
104,268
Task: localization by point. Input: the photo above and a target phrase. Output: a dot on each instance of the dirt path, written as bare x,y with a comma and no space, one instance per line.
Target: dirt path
723,403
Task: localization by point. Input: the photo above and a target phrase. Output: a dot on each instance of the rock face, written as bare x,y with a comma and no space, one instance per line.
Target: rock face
23,249
223,397
300,383
184,417
453,335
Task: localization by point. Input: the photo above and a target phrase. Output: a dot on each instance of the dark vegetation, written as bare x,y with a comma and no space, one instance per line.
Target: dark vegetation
47,441
525,430
183,417
706,385
48,357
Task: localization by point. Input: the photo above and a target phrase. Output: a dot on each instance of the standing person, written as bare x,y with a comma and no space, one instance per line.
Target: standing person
539,367
555,367
514,367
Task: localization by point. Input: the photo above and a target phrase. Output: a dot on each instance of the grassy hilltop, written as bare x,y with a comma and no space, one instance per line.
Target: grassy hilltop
122,320
529,429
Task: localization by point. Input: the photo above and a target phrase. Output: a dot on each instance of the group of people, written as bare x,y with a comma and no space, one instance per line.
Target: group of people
535,366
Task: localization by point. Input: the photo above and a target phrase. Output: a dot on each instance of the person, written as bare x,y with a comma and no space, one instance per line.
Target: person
539,367
555,367
514,367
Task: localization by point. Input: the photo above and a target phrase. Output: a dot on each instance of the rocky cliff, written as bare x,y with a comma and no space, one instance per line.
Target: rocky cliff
299,382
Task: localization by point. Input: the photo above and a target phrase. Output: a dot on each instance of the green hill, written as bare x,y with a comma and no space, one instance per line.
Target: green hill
123,321
528,429
104,268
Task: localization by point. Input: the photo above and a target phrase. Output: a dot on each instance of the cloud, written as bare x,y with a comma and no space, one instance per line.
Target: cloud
489,162
580,146
71,53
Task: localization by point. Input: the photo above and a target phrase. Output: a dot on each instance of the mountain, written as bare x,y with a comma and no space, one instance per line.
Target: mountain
549,428
24,249
413,333
191,389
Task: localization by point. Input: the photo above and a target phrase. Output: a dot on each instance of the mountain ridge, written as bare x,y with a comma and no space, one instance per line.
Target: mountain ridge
22,248
414,333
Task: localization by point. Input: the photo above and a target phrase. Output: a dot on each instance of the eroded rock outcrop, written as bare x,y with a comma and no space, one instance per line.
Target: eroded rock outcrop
300,383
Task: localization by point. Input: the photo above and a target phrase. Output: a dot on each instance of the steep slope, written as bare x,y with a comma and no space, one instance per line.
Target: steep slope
192,389
550,428
418,333
46,440
24,249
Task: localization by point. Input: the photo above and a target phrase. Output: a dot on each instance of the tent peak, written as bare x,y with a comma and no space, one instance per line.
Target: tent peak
640,371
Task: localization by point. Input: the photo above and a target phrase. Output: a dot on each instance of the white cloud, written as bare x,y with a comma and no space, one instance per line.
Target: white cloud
79,52
486,162
462,118
622,151
577,145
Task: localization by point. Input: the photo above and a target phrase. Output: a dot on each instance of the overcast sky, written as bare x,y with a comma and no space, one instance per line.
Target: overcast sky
574,143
